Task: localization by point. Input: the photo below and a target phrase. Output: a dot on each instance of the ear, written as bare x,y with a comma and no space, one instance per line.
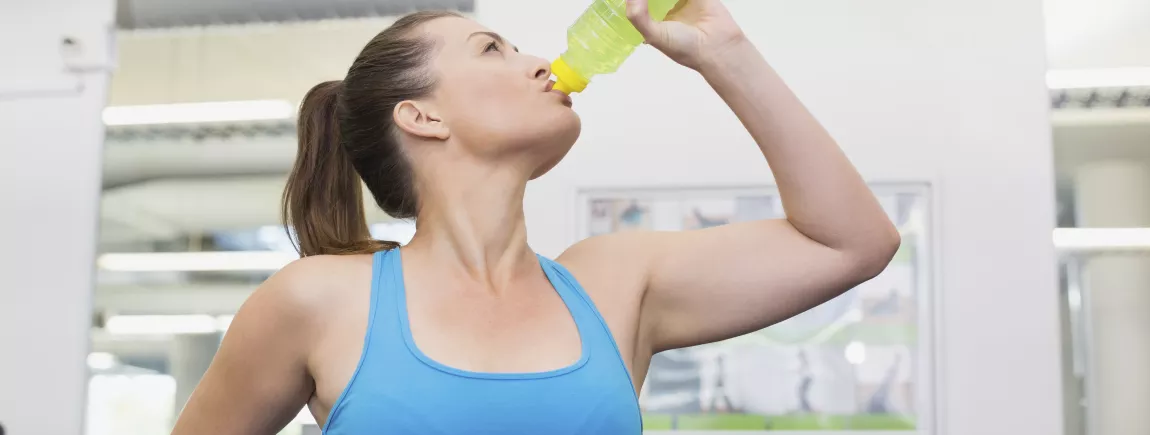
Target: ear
421,120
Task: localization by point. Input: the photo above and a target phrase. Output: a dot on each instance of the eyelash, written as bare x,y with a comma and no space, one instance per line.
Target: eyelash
490,46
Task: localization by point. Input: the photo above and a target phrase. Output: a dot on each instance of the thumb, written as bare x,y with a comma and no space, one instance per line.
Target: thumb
641,19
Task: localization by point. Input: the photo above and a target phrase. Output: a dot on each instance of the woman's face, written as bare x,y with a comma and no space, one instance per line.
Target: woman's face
497,102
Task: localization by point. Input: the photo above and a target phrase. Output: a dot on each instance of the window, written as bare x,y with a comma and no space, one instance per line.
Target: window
861,361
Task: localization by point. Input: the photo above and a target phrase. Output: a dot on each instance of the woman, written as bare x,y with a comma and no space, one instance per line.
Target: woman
465,329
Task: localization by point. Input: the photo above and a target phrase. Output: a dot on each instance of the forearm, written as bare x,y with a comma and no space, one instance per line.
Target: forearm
824,196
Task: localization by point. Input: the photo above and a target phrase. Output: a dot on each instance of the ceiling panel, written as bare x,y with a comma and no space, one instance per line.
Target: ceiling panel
144,14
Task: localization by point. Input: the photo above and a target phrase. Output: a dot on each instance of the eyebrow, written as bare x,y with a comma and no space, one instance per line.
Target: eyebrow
494,36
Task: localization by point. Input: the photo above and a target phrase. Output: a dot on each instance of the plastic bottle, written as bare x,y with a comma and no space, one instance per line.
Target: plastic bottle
599,41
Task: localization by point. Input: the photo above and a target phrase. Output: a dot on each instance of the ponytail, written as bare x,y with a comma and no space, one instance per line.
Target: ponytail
323,199
347,139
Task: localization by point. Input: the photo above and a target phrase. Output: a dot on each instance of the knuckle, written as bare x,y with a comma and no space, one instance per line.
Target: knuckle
634,9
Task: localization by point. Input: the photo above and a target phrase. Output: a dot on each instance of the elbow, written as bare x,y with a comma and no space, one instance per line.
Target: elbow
875,255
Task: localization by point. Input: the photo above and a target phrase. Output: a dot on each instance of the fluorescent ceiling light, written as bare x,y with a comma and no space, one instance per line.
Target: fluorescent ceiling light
176,324
224,322
224,111
1102,239
196,261
165,325
1097,78
101,360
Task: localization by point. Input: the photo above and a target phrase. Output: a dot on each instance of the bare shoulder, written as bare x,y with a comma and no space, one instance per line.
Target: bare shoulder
262,375
612,256
307,288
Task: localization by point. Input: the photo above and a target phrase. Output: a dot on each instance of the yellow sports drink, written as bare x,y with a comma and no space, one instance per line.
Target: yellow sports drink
599,41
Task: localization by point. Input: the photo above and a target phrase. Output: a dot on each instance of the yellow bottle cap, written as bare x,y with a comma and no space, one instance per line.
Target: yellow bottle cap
567,80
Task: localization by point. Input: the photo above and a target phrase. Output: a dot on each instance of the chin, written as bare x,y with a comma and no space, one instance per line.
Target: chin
558,143
568,128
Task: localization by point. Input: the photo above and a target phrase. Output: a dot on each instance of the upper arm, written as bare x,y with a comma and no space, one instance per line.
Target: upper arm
722,282
712,284
258,380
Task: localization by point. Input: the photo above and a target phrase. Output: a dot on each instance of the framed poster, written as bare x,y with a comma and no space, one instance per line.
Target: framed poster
863,361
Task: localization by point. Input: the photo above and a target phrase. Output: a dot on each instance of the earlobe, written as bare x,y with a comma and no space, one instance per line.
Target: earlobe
420,120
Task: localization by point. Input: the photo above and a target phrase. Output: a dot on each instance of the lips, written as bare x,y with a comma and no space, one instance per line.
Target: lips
566,99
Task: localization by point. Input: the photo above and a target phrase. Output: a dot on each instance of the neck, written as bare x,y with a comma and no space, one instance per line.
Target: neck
473,220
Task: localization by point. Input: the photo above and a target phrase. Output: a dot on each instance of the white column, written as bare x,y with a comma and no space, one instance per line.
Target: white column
1117,194
188,361
56,59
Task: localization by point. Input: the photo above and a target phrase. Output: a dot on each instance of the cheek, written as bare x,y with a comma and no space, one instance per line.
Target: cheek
486,115
480,105
493,114
487,119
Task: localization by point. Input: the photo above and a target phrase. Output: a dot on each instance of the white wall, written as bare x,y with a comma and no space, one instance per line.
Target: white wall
913,92
1097,33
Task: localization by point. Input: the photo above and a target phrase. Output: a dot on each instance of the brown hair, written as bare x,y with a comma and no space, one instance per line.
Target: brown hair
347,134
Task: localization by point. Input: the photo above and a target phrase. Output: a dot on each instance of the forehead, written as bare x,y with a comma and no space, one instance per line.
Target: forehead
452,33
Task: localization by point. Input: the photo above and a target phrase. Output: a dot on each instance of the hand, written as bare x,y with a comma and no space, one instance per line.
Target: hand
694,34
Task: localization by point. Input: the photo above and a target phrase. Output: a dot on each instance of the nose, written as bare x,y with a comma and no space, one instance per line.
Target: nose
540,68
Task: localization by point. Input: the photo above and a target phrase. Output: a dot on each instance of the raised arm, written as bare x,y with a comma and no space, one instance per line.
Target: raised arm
707,285
258,380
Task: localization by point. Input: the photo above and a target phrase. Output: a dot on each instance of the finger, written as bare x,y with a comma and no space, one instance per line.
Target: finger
640,18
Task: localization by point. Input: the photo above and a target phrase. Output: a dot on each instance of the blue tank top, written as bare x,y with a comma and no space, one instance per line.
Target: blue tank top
397,390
